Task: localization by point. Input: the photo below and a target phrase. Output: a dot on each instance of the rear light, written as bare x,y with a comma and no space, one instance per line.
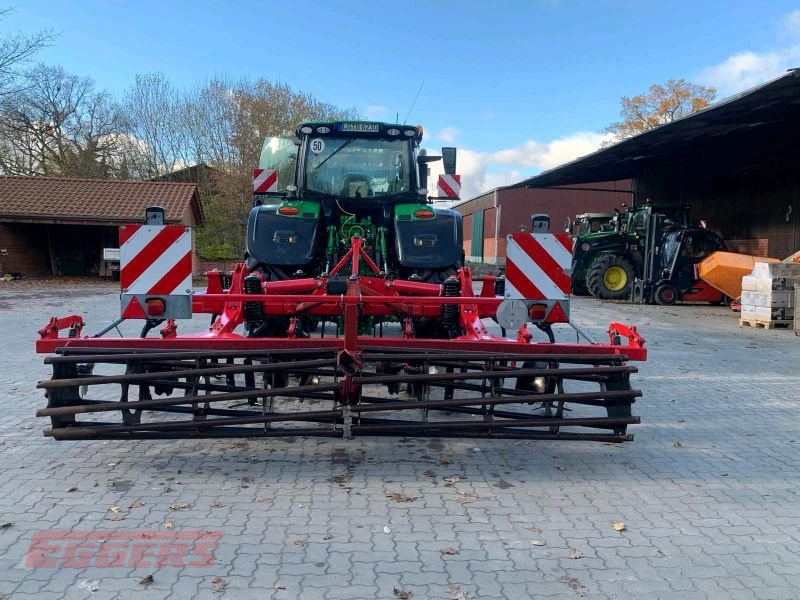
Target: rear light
537,312
155,307
288,211
424,214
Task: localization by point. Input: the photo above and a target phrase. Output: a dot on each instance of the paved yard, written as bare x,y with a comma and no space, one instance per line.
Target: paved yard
708,492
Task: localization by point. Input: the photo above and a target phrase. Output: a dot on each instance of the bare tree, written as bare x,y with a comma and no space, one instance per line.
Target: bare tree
16,50
58,125
156,134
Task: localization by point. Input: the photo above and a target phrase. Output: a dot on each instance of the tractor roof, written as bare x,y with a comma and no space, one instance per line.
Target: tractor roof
360,129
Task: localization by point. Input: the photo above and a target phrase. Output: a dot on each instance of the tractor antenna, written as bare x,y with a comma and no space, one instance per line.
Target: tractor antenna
413,103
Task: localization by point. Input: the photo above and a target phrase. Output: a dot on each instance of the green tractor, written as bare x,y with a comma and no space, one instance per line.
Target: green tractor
606,263
342,180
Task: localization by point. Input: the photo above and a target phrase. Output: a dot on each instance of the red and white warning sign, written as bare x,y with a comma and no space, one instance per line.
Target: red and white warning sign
449,186
155,260
265,180
537,266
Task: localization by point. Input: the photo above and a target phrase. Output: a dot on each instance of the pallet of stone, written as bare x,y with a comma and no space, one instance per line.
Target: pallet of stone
771,299
766,324
767,284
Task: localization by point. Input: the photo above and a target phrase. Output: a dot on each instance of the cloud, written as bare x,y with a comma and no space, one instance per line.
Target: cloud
483,171
376,112
447,135
748,68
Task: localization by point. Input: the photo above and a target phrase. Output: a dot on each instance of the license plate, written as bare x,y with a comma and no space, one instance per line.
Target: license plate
360,127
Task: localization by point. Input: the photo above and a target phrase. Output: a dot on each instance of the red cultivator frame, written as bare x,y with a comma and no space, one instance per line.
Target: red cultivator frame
349,378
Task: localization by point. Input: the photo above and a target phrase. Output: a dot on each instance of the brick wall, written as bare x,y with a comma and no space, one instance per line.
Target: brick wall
202,265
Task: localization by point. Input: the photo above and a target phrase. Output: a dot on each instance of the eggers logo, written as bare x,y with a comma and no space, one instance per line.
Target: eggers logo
109,549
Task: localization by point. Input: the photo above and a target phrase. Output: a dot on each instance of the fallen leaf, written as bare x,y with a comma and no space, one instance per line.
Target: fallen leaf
92,585
136,504
402,595
678,444
449,551
72,488
327,537
261,498
561,467
117,518
146,580
218,505
466,498
445,460
429,474
457,593
218,584
386,529
537,542
534,530
452,479
618,526
575,554
300,543
170,524
6,525
113,509
398,497
179,506
278,586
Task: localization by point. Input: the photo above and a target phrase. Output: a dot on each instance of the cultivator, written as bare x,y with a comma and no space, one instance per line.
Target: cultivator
364,338
340,384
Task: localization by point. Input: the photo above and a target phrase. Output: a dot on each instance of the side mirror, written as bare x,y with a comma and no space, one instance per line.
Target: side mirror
449,160
568,225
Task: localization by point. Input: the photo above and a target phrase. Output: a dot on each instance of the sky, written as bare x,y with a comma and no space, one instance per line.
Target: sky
517,86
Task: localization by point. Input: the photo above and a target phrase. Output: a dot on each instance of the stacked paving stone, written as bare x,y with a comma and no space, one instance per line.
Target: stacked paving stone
768,294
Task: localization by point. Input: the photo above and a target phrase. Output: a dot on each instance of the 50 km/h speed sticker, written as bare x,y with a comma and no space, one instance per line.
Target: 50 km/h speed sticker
317,145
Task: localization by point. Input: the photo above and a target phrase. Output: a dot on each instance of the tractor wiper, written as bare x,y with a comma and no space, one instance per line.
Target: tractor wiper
332,154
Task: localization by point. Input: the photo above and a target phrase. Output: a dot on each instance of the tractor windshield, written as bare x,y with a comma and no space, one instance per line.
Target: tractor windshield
357,168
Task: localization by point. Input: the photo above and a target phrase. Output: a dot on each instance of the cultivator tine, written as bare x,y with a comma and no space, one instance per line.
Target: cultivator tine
332,393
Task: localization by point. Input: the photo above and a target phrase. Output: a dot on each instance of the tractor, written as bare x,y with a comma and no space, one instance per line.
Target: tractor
606,263
342,181
351,314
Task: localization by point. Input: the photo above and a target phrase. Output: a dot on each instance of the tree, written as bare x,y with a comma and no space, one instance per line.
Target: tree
58,125
155,140
16,49
660,105
226,124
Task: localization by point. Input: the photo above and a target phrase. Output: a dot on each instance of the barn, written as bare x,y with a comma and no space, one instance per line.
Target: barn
490,217
61,226
736,165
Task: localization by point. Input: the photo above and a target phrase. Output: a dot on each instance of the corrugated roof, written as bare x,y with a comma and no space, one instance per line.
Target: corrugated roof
109,200
766,110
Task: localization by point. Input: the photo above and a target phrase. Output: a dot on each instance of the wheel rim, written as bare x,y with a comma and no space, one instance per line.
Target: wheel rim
615,278
668,295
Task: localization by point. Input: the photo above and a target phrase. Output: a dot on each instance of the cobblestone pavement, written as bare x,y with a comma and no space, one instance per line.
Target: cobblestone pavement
708,492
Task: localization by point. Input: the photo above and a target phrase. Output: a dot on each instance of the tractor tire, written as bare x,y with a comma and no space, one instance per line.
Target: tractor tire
610,277
666,294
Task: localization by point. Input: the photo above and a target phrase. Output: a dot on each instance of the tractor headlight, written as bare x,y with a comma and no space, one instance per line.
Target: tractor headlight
539,385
